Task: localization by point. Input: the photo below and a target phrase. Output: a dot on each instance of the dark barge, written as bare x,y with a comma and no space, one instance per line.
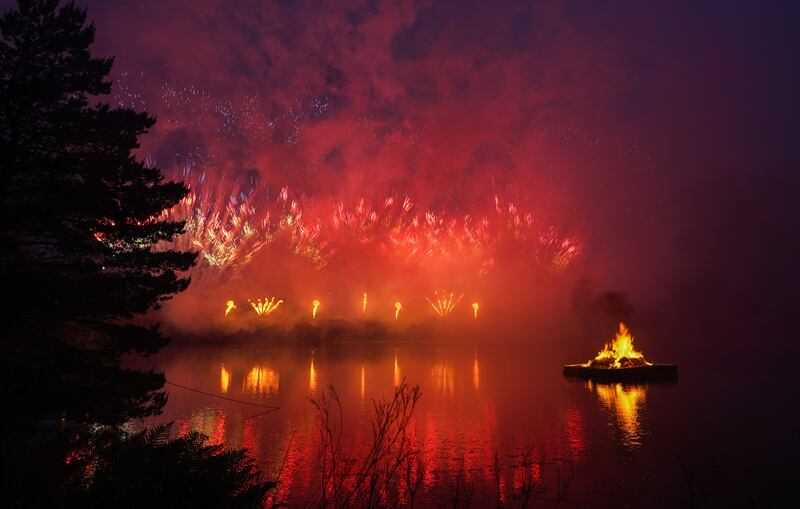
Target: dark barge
622,374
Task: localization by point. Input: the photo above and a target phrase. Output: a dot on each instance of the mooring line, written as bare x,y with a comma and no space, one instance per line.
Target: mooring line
268,407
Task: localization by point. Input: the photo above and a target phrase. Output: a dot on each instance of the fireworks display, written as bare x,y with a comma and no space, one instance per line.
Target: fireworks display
228,224
266,306
261,213
443,302
229,306
229,228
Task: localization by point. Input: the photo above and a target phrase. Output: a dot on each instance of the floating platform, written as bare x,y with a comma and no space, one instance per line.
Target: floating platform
631,374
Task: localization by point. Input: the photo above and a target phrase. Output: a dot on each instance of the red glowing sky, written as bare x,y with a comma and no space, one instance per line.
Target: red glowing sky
641,126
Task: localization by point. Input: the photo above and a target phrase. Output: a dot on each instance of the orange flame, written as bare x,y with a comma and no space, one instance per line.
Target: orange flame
364,304
397,307
475,308
314,307
619,353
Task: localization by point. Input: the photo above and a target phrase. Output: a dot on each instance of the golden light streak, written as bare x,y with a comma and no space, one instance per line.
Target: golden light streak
476,372
444,302
229,306
364,304
363,382
312,377
265,307
475,308
626,402
396,371
397,308
224,379
314,307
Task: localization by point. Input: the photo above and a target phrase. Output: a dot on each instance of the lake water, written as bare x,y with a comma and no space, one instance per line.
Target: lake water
716,440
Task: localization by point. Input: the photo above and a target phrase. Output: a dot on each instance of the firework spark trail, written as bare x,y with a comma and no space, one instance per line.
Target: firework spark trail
314,306
229,306
266,306
413,236
228,226
397,307
444,303
475,308
229,229
192,107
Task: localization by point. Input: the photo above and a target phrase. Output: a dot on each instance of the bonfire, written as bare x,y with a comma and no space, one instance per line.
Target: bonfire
619,353
619,360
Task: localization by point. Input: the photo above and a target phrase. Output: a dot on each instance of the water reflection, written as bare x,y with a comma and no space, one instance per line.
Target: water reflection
209,421
476,372
224,379
396,371
474,409
363,381
575,433
625,403
261,380
443,378
312,377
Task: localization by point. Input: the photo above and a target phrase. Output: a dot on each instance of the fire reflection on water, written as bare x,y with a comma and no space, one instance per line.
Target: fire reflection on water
261,380
396,371
625,402
455,428
312,377
209,421
476,372
363,383
443,378
224,379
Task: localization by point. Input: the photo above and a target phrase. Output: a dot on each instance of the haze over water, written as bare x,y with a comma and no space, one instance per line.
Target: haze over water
610,444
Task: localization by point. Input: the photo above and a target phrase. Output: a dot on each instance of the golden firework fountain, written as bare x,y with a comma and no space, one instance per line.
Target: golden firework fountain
266,306
620,361
229,306
443,302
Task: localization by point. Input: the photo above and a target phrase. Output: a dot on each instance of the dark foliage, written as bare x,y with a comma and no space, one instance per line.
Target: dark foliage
150,469
79,221
78,227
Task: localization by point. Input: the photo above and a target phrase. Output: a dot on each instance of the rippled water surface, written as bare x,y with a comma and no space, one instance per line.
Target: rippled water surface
484,409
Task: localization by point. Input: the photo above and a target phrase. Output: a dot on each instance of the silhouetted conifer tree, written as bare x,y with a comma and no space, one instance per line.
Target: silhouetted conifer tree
78,225
79,220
